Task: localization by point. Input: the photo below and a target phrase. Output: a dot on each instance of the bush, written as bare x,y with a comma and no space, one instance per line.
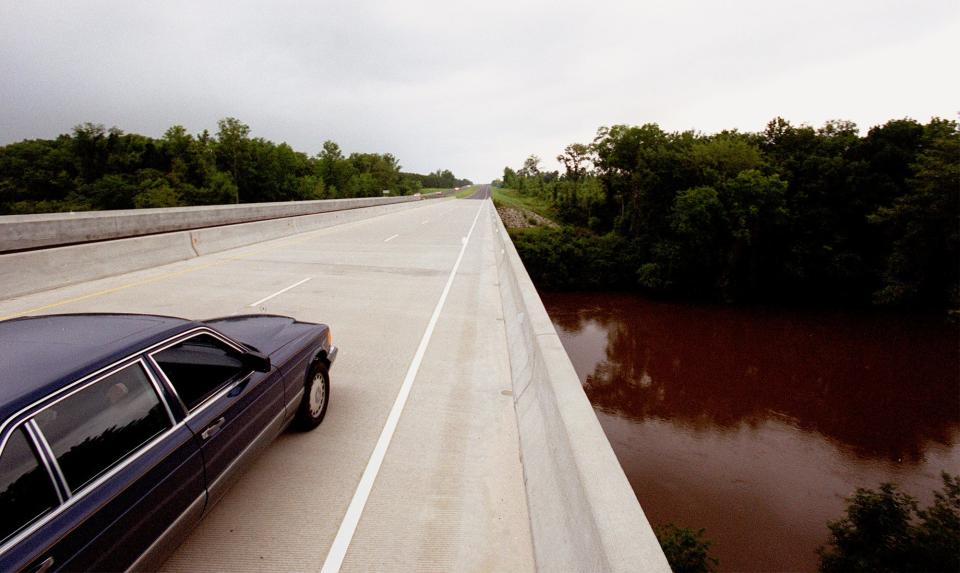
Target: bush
885,531
568,258
686,550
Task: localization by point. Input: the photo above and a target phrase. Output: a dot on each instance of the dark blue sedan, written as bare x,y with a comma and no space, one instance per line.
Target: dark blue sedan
118,432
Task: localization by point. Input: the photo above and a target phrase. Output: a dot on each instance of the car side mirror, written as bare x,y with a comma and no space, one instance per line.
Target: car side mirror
257,361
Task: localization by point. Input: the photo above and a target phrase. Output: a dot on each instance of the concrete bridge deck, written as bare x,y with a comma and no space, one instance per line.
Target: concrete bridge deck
414,302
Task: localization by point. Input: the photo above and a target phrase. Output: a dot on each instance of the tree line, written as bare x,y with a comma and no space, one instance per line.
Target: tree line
95,168
790,213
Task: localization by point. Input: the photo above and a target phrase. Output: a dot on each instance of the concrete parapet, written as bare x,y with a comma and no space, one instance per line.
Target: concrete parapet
584,515
20,232
47,268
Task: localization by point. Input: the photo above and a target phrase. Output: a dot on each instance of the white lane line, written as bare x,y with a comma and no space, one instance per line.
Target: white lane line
279,292
349,524
391,237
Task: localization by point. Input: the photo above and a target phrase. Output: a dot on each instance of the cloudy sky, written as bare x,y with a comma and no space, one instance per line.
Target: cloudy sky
471,86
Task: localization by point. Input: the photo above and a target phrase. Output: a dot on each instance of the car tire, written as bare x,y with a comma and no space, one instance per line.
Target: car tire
316,397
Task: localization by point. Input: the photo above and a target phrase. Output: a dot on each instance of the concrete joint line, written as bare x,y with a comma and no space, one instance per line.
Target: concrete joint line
523,390
193,244
338,550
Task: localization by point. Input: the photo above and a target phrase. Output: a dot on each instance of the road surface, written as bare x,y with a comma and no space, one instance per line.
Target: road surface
482,192
449,492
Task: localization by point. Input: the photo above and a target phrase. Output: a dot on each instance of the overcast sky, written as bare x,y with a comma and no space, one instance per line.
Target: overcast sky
471,86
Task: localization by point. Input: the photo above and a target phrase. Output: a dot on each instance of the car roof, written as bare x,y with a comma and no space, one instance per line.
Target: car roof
41,354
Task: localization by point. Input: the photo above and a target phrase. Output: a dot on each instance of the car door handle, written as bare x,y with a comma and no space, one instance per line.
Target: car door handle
44,566
213,428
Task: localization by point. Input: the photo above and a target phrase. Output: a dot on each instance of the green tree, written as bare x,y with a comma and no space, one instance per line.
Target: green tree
219,190
334,169
89,148
924,225
110,192
755,207
98,168
575,158
157,193
310,187
700,222
39,176
233,138
884,531
510,178
531,167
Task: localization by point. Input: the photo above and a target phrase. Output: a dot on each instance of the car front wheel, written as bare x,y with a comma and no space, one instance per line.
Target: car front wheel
316,396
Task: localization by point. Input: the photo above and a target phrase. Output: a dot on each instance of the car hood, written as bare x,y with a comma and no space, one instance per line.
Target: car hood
265,332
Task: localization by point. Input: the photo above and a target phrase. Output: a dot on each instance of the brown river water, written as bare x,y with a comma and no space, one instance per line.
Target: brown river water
756,423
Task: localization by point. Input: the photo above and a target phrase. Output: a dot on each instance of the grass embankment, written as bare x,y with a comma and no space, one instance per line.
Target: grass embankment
466,192
519,211
512,198
562,257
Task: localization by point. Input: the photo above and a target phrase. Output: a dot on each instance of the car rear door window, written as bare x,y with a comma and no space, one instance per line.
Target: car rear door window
199,366
26,491
95,428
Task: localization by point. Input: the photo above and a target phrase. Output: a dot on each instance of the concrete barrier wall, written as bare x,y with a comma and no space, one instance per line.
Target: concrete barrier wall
19,232
584,514
43,269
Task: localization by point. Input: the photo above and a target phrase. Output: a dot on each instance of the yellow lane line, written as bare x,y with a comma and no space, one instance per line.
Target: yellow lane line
109,290
292,240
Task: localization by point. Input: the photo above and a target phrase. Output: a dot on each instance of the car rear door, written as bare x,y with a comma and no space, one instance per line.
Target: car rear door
234,411
128,475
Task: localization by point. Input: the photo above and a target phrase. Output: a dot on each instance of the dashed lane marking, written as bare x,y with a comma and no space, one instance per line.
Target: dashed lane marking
338,551
279,292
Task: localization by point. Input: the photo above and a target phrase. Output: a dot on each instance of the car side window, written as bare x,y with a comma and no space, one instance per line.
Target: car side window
96,427
26,491
199,366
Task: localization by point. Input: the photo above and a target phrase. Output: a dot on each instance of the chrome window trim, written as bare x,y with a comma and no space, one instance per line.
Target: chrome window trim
41,440
230,385
89,487
73,388
46,444
220,392
13,418
68,390
34,446
42,455
50,459
158,388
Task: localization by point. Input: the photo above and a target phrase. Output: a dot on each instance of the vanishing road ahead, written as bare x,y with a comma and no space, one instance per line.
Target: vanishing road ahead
449,492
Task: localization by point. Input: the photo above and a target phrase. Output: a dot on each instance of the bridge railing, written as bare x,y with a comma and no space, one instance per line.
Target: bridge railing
584,515
20,232
79,247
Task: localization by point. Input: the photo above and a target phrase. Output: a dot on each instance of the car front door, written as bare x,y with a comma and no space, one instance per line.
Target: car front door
233,410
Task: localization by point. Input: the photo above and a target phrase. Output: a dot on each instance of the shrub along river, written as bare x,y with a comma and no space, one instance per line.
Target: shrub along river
755,424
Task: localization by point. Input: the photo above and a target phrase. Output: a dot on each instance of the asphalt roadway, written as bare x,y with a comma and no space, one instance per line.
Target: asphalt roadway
482,192
417,464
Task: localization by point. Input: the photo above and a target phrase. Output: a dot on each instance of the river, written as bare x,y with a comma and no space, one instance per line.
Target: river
754,424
